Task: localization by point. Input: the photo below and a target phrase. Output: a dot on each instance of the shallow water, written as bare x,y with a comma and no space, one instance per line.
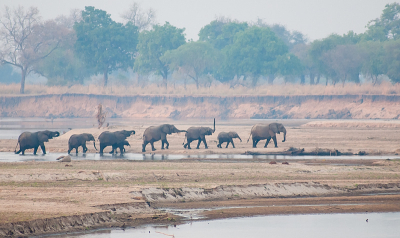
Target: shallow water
231,158
309,225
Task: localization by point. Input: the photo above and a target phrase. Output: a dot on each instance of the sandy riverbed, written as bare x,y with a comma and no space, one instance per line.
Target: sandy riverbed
89,194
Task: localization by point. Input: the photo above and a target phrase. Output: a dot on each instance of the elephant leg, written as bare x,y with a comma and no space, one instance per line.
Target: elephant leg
76,150
162,144
219,144
198,144
227,143
121,150
152,146
144,146
43,148
102,148
232,144
166,142
69,149
84,148
19,151
35,150
255,141
275,142
23,152
205,143
188,144
267,142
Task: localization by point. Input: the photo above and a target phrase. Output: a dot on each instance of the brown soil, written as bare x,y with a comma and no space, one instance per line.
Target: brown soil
48,197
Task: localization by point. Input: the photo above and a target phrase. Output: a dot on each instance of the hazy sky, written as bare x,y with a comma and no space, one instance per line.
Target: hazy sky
314,18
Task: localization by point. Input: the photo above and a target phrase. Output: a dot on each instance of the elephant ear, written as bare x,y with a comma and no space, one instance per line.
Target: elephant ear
120,137
42,136
274,128
166,129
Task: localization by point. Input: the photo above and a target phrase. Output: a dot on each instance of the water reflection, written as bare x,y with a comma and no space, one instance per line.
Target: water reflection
310,225
11,157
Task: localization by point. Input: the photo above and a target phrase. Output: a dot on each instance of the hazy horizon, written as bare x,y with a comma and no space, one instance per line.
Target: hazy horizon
314,18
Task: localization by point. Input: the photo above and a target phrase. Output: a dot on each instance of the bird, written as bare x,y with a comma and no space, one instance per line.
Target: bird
366,220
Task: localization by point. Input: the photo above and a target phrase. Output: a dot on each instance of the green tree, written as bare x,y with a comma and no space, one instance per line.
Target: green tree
253,53
152,46
221,33
387,26
374,62
104,44
290,66
392,60
194,59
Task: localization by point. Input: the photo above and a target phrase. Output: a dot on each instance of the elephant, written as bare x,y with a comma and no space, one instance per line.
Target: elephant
156,133
227,137
107,138
266,131
198,133
29,140
120,146
77,140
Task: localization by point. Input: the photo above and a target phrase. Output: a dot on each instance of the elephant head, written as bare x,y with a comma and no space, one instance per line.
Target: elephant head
44,136
233,134
169,129
89,137
278,128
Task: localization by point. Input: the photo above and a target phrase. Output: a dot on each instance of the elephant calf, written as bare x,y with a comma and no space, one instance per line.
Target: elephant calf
156,133
267,131
113,139
29,140
120,146
77,140
198,133
227,137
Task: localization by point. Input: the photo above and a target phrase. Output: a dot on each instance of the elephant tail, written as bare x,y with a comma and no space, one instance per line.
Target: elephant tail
94,144
249,138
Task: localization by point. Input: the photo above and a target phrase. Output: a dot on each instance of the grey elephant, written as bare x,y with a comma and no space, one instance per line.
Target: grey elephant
107,138
266,131
120,146
156,133
227,137
77,140
29,140
198,133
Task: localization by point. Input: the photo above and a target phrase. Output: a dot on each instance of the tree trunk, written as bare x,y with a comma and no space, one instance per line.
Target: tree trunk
197,82
312,76
23,76
254,81
302,79
318,78
105,77
271,78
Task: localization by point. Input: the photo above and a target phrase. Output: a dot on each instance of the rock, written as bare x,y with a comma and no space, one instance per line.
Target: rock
64,158
285,163
272,162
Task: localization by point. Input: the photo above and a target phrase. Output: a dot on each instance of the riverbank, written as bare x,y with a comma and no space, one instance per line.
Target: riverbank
357,106
50,197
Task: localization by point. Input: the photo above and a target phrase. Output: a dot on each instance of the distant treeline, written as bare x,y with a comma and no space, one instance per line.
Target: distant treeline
68,50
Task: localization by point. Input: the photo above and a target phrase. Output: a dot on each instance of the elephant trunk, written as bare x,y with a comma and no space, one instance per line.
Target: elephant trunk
240,139
94,144
181,131
214,125
284,135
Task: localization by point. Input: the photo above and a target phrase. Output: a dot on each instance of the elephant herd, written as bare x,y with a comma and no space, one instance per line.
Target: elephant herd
117,139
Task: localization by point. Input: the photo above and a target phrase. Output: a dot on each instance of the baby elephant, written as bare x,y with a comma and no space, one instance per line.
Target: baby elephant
120,146
227,137
78,140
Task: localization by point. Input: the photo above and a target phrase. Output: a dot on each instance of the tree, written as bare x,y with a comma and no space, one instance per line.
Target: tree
104,44
374,61
26,40
193,59
221,33
253,53
144,20
152,46
392,60
387,26
289,65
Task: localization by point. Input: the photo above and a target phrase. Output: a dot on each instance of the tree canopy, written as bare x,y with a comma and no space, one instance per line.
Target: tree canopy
103,44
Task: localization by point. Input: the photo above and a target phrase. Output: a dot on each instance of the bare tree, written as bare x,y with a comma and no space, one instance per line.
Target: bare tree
144,20
25,39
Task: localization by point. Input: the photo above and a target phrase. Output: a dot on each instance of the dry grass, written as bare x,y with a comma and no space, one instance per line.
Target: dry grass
222,89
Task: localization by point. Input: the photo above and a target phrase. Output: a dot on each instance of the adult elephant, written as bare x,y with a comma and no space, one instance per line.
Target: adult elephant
77,140
29,140
198,133
227,137
266,131
156,133
113,139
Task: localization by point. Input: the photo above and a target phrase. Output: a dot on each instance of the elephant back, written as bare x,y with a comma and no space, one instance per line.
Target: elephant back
260,131
223,135
27,138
